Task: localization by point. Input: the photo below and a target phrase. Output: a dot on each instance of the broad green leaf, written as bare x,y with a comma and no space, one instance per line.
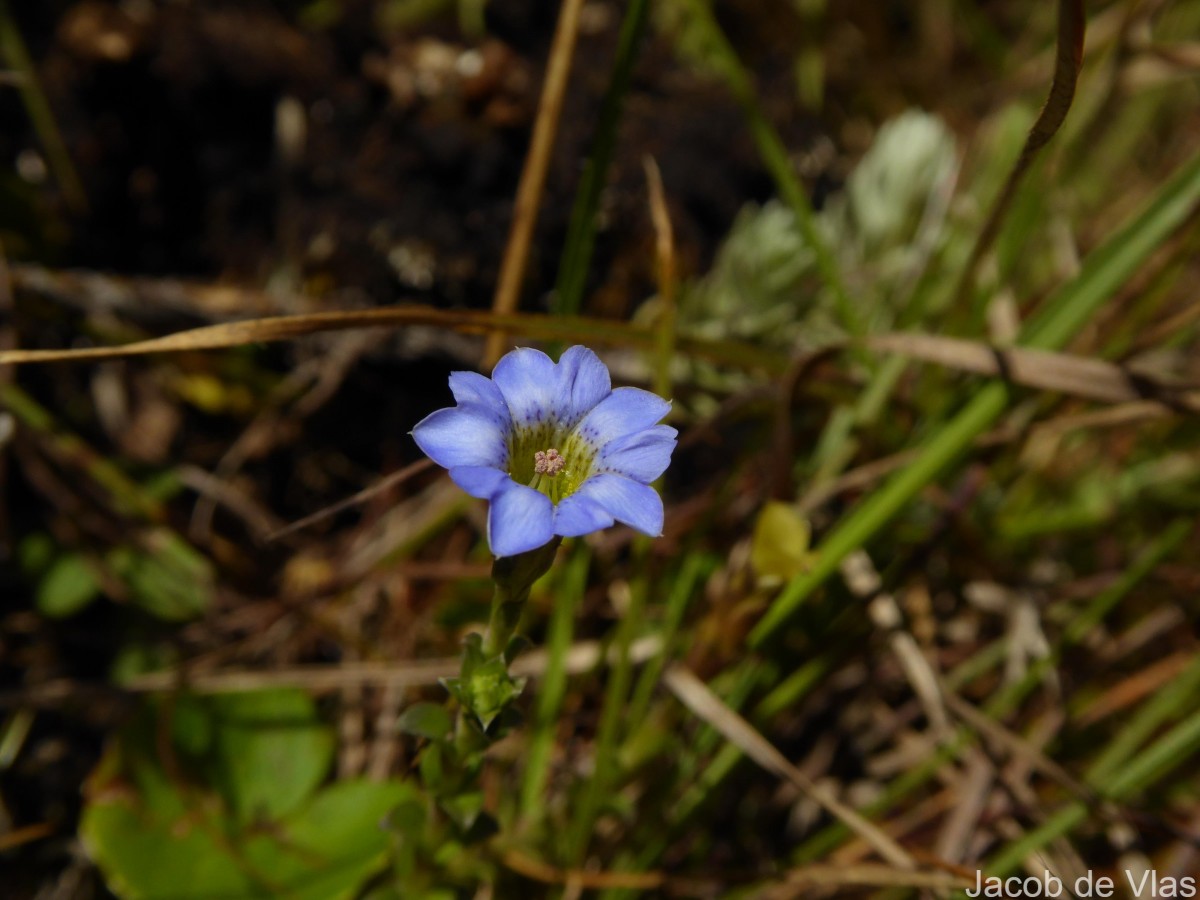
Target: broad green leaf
67,587
166,576
148,838
328,849
156,836
145,856
427,720
272,751
779,549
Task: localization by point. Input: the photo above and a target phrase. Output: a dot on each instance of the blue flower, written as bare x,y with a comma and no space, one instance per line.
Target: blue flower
552,447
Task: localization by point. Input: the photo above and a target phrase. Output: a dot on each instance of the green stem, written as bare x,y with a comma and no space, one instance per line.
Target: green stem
503,621
514,577
12,51
581,233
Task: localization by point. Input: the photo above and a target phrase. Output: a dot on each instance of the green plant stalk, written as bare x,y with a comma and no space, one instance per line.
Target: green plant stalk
127,497
1147,305
553,686
1004,702
1172,699
581,231
12,50
514,577
868,518
775,157
1064,313
1106,498
1136,773
666,336
693,569
615,696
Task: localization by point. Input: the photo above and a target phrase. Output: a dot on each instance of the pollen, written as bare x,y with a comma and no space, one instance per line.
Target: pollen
548,462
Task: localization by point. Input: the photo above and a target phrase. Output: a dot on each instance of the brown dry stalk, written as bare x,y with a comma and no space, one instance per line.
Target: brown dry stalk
664,251
581,657
537,870
1079,376
533,176
281,328
699,698
864,875
1067,60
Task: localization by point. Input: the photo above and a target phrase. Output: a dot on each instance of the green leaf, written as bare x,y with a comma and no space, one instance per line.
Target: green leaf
427,720
464,809
166,576
35,553
142,856
487,690
432,766
155,842
779,549
192,725
334,844
165,843
68,586
156,836
272,751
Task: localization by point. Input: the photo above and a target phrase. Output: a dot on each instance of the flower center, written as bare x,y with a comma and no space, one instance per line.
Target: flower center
550,458
548,462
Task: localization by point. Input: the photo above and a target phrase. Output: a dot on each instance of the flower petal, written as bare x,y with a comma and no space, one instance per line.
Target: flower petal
625,411
468,435
471,387
642,456
527,380
578,515
519,519
627,501
583,381
479,481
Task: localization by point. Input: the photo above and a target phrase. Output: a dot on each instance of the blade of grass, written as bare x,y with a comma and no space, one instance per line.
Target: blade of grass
127,496
616,696
694,568
1119,775
1068,58
775,157
1005,701
581,231
554,683
1079,376
697,697
12,50
1064,313
533,175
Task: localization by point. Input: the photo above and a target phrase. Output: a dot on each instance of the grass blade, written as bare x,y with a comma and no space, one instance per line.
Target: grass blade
1065,312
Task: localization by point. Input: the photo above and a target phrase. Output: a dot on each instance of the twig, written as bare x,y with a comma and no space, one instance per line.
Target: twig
533,176
696,696
582,657
382,486
1068,58
664,251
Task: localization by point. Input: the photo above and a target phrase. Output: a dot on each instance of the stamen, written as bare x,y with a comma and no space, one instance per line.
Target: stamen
548,462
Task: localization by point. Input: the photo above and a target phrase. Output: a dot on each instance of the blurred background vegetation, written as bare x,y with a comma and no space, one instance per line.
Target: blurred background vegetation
927,598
